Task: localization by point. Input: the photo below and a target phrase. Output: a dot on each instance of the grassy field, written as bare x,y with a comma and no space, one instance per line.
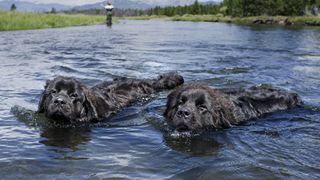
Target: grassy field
23,21
299,20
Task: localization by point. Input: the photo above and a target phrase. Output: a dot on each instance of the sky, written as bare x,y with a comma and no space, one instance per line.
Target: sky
77,2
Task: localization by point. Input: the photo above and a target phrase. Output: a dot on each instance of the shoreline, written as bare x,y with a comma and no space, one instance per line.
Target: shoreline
254,20
14,21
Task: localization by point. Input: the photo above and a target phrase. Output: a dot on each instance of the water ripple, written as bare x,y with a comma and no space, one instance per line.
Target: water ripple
137,143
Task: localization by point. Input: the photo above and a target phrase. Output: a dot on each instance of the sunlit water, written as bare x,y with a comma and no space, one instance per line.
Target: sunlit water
135,145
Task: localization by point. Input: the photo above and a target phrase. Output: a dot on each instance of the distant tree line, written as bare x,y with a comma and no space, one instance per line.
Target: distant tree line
236,8
241,8
195,8
271,7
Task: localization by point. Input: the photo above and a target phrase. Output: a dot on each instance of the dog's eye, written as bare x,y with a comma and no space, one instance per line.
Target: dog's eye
74,95
202,108
53,91
180,102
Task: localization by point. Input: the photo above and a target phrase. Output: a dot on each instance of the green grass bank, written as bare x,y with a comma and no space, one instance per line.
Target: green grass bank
23,21
277,20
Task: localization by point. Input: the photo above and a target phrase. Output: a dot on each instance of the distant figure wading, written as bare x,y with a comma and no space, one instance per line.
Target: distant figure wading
109,8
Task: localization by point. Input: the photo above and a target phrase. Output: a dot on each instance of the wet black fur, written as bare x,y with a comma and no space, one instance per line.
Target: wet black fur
66,99
197,107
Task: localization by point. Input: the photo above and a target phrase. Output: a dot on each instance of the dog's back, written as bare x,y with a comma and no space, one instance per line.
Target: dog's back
260,100
123,91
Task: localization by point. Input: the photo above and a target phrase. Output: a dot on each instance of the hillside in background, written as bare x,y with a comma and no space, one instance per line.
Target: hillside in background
166,2
31,7
119,4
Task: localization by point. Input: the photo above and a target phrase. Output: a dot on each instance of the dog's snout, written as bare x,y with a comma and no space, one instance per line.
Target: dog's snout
59,101
184,112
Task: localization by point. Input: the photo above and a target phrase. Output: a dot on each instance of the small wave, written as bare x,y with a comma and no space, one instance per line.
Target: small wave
66,69
311,108
308,57
192,143
176,134
269,133
307,69
29,117
130,116
231,70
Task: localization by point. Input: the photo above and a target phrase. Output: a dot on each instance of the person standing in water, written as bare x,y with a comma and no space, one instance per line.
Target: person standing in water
109,8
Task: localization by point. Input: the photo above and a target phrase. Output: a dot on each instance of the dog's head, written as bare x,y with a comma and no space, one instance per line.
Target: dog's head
66,99
196,107
168,81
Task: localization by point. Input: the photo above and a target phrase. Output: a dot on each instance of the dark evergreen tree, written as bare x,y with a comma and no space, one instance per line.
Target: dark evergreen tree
196,8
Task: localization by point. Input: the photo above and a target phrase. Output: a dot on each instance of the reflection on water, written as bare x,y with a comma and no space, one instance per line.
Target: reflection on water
65,137
136,143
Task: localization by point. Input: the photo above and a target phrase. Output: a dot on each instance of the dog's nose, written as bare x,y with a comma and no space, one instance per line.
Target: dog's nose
59,101
184,112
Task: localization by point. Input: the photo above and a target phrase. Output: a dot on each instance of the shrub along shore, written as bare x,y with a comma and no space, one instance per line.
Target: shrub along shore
23,21
270,20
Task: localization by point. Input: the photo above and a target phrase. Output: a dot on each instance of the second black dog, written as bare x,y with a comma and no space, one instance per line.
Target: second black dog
197,107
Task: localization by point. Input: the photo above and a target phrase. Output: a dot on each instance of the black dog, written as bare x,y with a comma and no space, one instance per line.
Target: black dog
67,99
197,107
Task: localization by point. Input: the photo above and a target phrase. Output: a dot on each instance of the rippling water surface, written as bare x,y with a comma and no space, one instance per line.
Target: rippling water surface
134,146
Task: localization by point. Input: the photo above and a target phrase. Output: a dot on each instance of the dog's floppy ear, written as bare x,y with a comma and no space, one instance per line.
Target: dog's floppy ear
43,97
172,102
96,106
221,110
221,117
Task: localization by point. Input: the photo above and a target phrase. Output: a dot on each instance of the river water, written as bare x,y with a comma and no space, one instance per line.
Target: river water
135,146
